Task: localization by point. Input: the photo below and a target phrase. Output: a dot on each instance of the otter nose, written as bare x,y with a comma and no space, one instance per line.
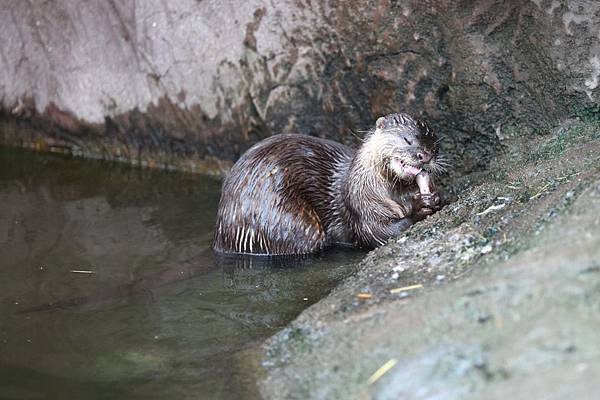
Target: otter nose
424,156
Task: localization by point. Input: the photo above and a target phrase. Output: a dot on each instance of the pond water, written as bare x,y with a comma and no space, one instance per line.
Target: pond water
109,290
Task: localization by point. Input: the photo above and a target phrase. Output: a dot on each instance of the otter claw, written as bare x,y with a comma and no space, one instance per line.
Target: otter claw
426,204
424,212
428,200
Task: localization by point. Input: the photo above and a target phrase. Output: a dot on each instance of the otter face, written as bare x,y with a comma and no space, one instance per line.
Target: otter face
406,146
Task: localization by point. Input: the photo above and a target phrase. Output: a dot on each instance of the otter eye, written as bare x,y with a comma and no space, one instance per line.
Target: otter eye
408,142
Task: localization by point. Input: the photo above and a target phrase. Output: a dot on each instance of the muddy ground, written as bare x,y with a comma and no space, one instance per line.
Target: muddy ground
507,295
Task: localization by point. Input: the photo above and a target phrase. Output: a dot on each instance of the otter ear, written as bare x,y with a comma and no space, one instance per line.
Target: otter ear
380,123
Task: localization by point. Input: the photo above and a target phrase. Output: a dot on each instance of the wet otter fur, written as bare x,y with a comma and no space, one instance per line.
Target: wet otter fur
297,194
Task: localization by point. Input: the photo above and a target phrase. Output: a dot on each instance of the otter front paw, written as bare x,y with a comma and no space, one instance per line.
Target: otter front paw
425,204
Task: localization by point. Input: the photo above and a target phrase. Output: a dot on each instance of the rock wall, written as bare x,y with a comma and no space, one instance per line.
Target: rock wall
191,84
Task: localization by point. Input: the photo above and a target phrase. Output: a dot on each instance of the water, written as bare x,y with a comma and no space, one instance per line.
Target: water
151,313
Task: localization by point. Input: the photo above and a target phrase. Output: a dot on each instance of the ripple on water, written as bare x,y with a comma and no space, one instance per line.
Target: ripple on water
152,313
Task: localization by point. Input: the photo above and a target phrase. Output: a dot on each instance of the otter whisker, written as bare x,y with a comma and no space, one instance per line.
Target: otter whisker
356,136
443,158
437,169
444,164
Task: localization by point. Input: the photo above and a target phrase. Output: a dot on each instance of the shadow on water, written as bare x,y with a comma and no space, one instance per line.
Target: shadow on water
156,314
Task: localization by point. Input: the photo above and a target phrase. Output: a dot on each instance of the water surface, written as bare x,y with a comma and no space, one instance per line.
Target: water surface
108,287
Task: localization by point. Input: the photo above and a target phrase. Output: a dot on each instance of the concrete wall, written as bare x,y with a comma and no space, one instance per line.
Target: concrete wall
191,84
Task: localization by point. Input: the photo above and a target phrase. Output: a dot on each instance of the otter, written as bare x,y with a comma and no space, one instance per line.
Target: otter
293,194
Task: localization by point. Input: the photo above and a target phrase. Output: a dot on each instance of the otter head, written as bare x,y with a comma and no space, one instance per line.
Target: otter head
403,146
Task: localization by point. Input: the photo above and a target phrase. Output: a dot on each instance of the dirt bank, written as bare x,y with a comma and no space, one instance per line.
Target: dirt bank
508,306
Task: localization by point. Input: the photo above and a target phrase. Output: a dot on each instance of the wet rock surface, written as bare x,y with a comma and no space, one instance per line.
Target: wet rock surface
494,296
190,85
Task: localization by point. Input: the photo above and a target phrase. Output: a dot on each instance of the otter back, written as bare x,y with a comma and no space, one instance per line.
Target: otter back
282,197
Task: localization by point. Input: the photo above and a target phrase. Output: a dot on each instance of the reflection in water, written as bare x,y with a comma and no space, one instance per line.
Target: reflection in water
158,316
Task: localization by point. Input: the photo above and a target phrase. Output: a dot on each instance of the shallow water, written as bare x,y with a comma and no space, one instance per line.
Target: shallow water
108,287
